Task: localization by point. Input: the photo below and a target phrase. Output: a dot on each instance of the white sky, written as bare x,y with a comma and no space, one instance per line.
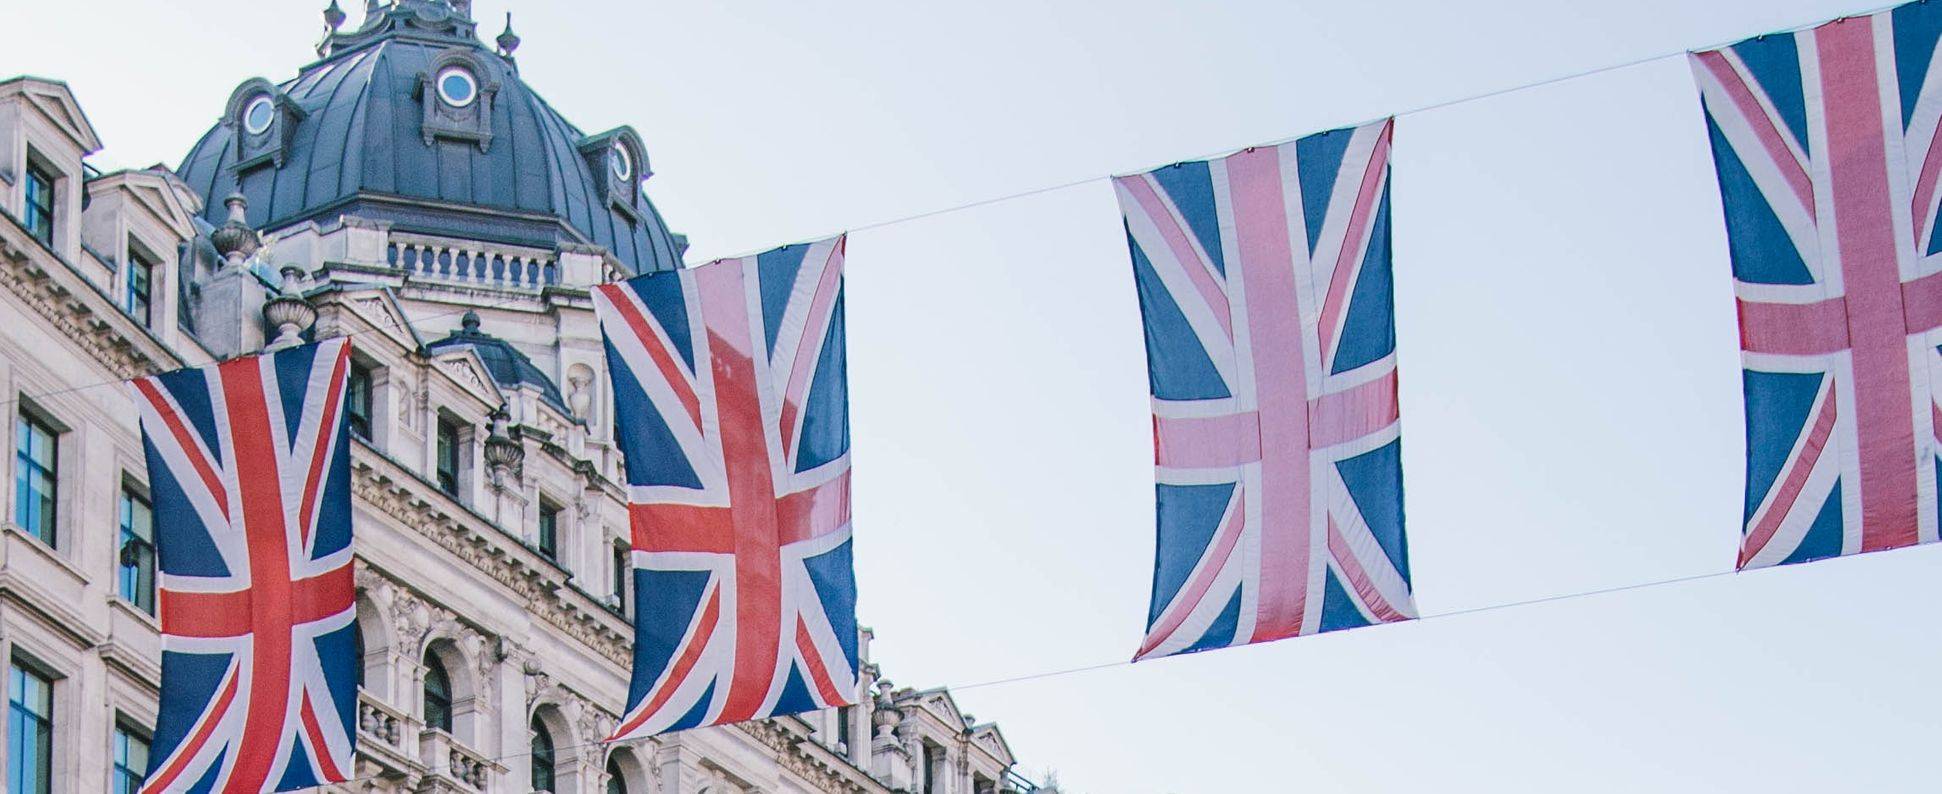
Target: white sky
1571,405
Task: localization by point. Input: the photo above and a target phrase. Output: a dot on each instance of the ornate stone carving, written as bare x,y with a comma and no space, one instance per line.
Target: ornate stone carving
545,599
796,756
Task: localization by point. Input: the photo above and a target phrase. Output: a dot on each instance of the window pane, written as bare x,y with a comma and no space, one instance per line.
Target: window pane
542,757
131,760
137,552
615,783
438,695
30,732
40,204
34,478
357,401
140,272
448,458
549,530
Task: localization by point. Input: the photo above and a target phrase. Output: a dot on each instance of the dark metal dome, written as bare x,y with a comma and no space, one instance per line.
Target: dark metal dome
372,130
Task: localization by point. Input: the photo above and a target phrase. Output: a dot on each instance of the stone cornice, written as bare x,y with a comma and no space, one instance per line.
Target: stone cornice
820,766
390,489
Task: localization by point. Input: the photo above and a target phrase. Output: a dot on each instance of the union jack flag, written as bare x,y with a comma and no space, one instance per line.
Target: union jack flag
249,470
1828,148
1264,284
732,407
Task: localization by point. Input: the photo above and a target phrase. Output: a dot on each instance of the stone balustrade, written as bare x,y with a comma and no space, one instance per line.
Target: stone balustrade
447,758
473,262
380,722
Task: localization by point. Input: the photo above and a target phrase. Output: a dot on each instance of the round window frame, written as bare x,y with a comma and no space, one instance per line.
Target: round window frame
269,114
463,73
622,162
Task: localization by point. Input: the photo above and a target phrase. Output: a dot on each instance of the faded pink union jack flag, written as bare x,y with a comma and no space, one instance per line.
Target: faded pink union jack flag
1828,150
1264,287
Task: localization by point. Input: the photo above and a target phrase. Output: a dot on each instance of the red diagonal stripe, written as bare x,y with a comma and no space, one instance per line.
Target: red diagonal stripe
1769,135
1796,479
186,440
1348,260
818,674
671,371
697,642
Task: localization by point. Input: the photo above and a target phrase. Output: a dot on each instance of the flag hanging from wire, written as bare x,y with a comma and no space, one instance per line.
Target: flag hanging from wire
1827,146
1264,286
732,407
249,471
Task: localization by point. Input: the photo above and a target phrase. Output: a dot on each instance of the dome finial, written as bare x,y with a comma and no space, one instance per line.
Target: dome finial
508,41
470,322
334,15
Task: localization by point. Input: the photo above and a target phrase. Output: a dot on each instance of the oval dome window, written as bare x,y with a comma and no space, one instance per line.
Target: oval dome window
258,115
623,162
457,86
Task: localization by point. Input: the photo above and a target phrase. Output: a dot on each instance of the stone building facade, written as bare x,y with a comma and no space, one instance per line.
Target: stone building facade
423,200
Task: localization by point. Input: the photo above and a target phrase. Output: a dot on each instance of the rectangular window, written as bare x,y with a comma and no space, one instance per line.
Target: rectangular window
448,457
141,275
34,478
843,726
619,584
40,204
549,530
131,759
930,767
137,579
357,401
30,731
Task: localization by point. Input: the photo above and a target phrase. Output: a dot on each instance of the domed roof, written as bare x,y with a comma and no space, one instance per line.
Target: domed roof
508,366
412,121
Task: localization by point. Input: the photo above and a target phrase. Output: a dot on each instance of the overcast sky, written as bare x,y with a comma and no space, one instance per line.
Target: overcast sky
1571,407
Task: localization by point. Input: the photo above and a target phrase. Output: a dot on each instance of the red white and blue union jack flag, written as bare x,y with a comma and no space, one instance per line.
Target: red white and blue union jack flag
731,405
249,470
1264,284
1828,150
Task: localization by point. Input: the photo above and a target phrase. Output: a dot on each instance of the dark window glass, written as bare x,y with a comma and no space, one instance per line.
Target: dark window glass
930,769
357,656
34,479
40,204
131,760
549,530
448,457
30,732
843,725
438,695
542,757
615,783
141,274
357,401
137,580
621,570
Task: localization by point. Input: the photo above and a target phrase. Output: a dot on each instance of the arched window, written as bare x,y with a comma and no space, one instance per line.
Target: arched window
615,784
542,757
438,695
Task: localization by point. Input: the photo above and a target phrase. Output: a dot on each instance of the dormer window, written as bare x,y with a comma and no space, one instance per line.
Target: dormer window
258,115
618,164
457,87
456,91
263,120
